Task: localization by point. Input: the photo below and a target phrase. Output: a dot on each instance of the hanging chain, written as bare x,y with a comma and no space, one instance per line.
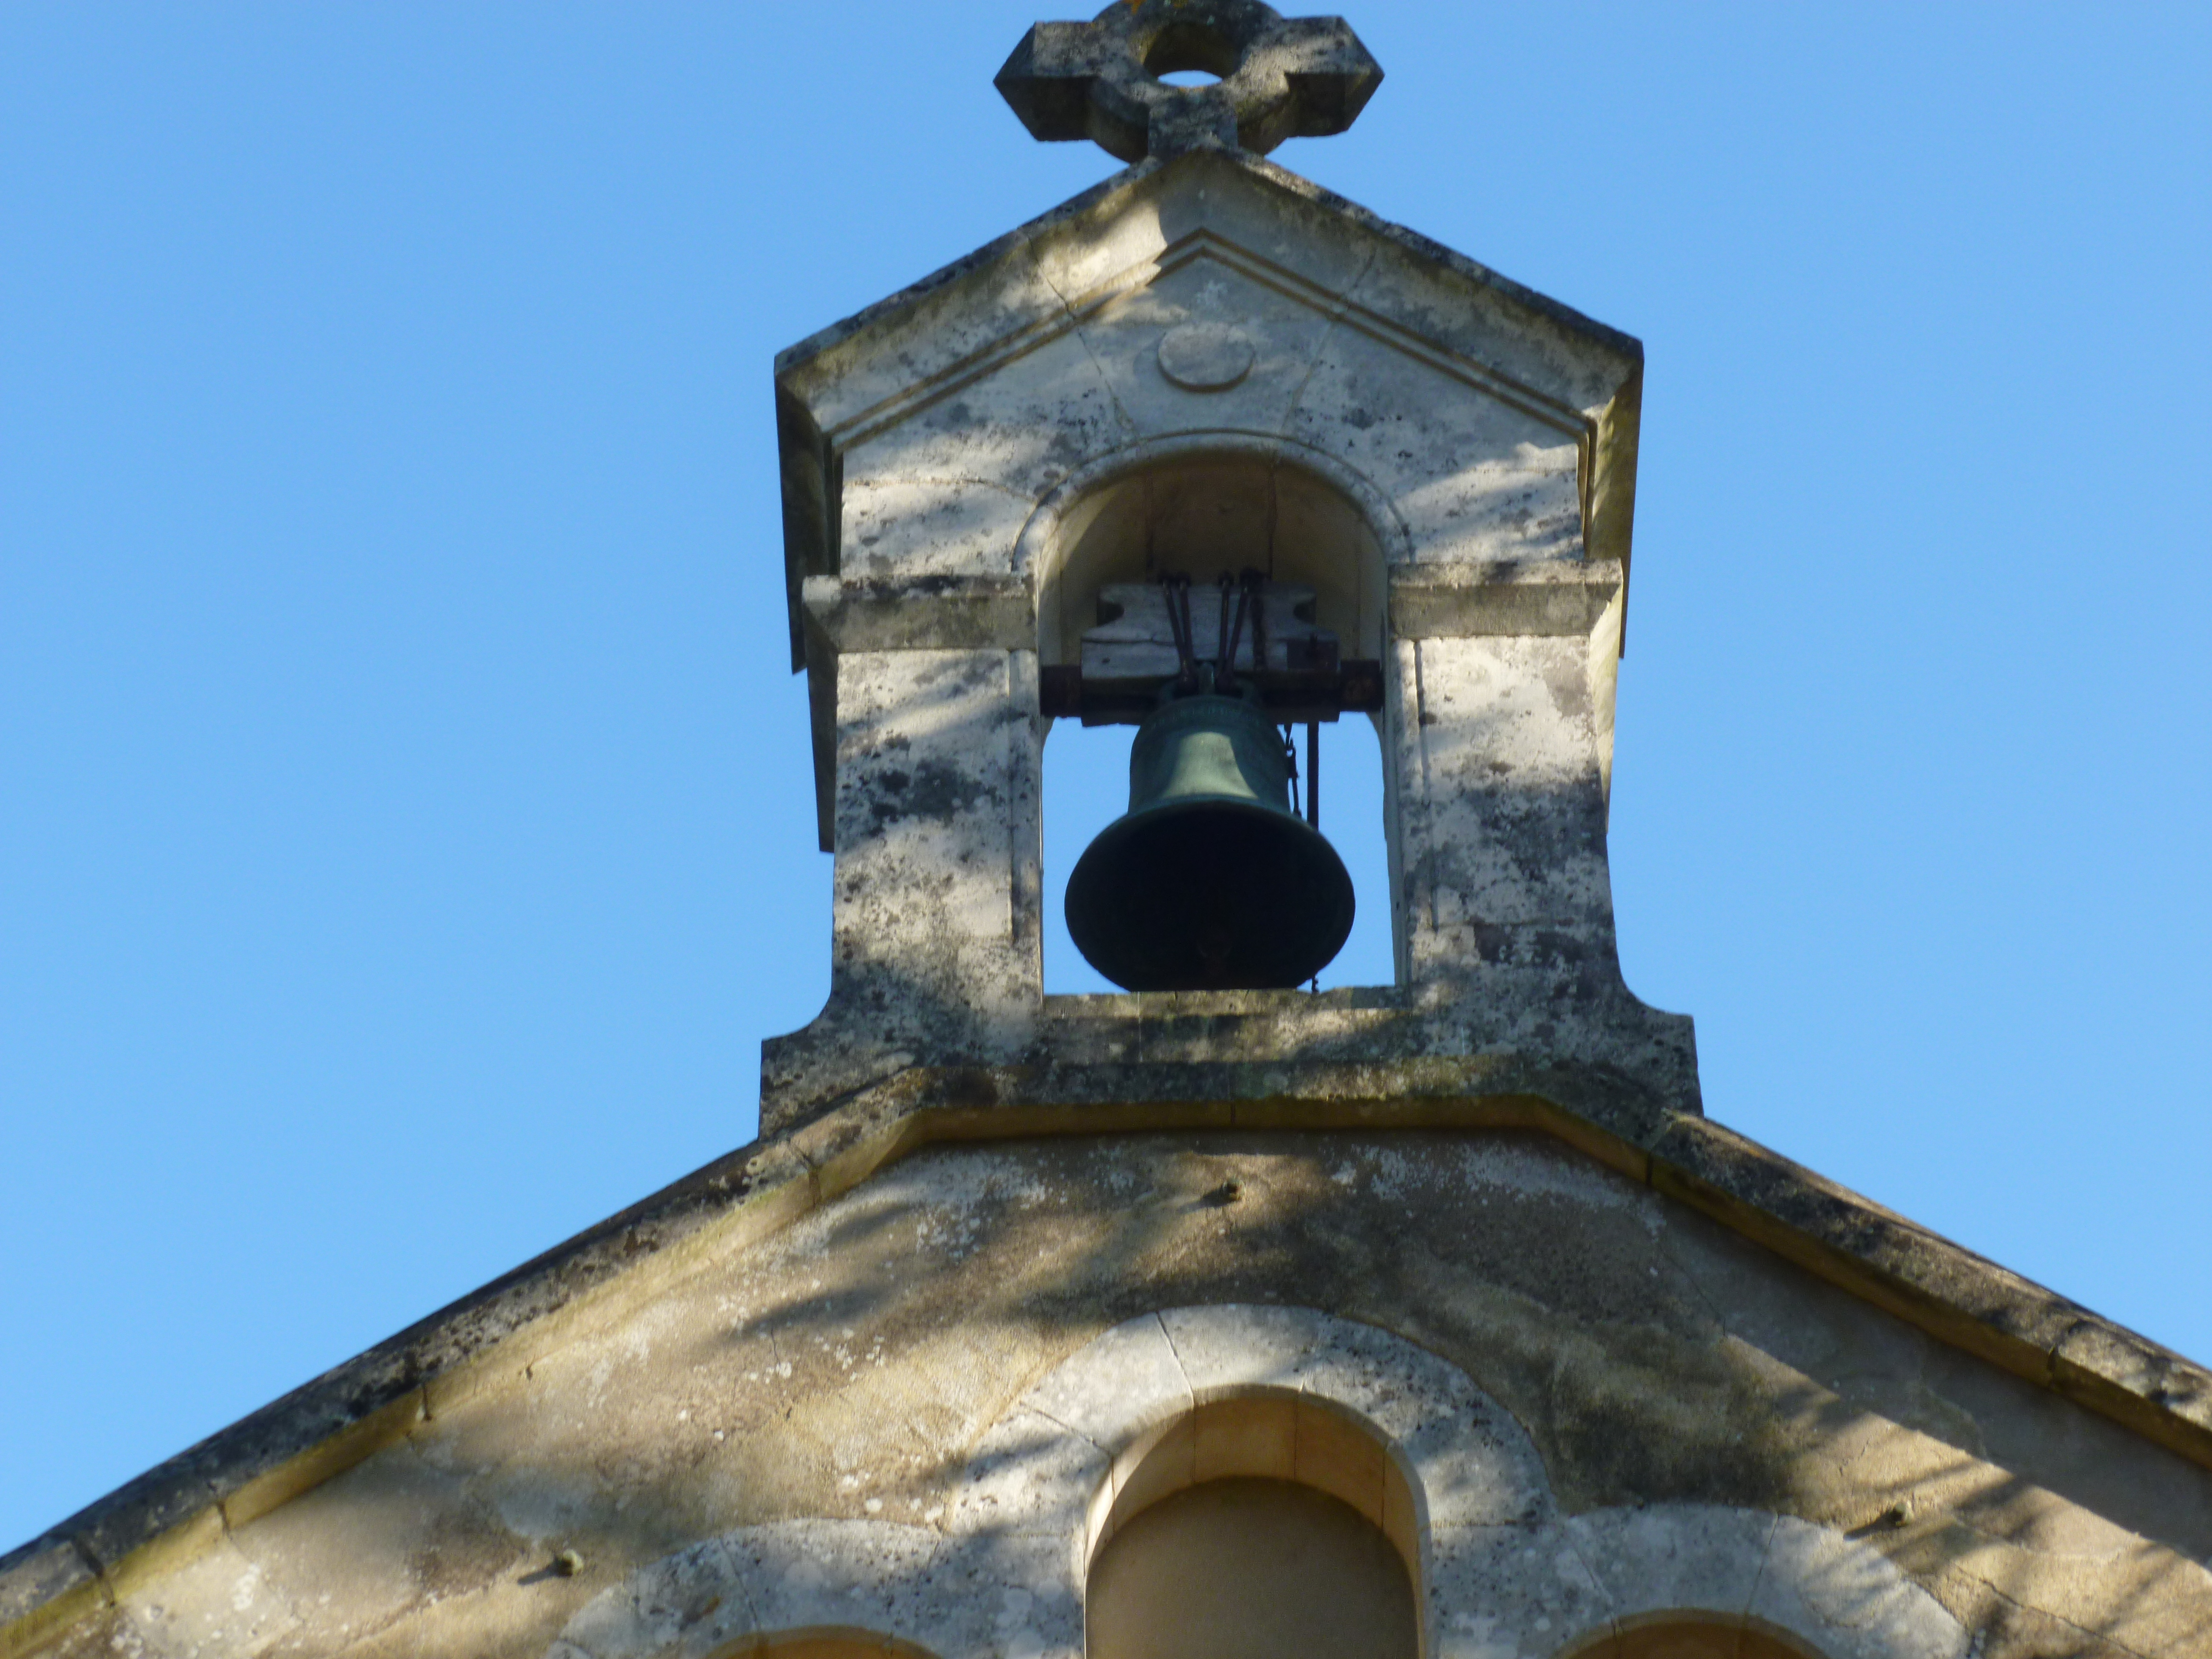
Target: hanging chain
1177,591
1247,589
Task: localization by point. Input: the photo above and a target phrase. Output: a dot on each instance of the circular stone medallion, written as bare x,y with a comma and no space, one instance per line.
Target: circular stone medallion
1205,357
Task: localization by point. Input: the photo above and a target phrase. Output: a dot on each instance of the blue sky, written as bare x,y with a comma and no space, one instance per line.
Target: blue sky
409,839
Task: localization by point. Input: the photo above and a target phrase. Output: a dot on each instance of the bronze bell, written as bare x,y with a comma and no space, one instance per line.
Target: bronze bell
1209,881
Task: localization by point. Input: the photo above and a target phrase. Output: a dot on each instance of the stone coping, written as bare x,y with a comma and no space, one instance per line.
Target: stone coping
1410,241
1608,1055
325,1427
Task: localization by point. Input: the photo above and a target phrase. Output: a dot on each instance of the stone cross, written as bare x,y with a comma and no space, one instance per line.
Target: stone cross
1280,77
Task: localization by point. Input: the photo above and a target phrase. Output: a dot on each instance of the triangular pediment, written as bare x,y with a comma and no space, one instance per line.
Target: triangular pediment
1015,365
1138,228
1208,277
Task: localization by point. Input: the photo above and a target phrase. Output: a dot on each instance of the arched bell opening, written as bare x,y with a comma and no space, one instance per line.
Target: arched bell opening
1256,545
1225,505
1262,1523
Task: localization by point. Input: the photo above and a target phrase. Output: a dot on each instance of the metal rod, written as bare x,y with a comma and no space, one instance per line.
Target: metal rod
1313,801
1225,672
1177,591
1244,608
1227,679
1256,585
1313,772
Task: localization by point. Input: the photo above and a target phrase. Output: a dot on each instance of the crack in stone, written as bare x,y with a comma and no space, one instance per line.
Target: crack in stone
1083,339
2116,1646
1758,1573
1338,310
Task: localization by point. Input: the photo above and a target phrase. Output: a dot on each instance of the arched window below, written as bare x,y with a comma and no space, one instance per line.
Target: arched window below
831,1643
1692,1635
1250,1569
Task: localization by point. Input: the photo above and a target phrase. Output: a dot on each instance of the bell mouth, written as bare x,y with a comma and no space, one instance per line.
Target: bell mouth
1207,893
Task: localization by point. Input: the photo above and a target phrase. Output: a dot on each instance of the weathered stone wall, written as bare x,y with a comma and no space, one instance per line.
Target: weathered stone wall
933,908
847,1370
1504,853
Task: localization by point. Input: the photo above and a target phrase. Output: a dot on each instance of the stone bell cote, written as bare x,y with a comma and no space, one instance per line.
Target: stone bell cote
1206,363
